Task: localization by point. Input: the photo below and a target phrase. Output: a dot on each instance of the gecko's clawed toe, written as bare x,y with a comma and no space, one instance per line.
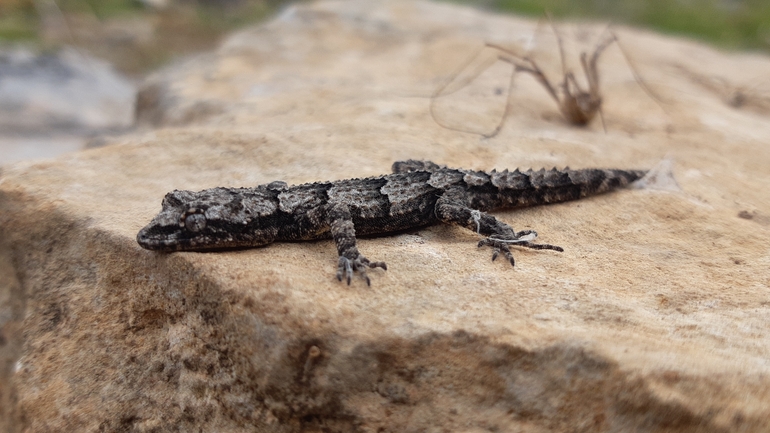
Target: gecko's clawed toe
348,266
378,265
344,269
509,256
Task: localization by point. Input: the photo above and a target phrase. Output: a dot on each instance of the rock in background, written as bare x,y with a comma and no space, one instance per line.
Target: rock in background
53,102
655,318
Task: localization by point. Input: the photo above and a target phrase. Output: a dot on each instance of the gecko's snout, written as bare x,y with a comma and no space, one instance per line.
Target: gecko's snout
149,239
145,239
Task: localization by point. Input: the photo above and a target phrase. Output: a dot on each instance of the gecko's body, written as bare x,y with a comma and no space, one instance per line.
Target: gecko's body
418,193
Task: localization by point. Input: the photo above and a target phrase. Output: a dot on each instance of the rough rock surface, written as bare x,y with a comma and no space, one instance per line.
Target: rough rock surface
654,319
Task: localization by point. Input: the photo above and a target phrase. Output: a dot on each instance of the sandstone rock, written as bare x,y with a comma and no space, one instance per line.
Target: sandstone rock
655,318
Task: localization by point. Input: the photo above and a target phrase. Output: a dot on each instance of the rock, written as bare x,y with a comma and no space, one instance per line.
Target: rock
54,103
653,319
64,90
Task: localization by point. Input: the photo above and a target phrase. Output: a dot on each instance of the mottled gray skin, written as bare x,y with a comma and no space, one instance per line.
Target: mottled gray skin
418,193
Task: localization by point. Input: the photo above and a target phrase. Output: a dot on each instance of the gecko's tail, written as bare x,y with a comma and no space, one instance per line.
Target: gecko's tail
596,181
553,186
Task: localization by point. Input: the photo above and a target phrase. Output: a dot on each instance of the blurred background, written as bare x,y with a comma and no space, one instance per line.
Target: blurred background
69,69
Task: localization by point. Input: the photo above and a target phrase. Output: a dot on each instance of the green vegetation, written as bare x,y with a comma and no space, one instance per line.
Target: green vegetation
21,18
17,21
129,34
193,25
100,8
736,24
224,19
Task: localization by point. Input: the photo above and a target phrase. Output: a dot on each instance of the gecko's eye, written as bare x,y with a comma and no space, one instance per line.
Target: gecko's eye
193,220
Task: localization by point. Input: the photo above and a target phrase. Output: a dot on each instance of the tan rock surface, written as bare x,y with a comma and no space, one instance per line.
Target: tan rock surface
655,318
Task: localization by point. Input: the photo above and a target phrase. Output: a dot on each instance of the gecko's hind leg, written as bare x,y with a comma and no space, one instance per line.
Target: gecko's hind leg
344,234
522,239
499,235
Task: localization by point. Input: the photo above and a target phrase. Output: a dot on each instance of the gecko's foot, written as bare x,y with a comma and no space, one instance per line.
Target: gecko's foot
347,266
521,239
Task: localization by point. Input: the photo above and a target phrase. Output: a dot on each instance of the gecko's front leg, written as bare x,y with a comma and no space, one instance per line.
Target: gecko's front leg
499,235
344,234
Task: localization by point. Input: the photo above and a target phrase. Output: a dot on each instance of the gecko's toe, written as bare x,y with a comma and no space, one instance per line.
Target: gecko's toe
378,265
348,266
541,246
344,268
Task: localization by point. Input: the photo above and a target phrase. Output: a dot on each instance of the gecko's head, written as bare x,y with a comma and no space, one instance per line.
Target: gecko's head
217,218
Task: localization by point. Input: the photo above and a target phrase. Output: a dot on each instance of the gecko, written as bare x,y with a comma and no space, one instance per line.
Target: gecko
416,194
